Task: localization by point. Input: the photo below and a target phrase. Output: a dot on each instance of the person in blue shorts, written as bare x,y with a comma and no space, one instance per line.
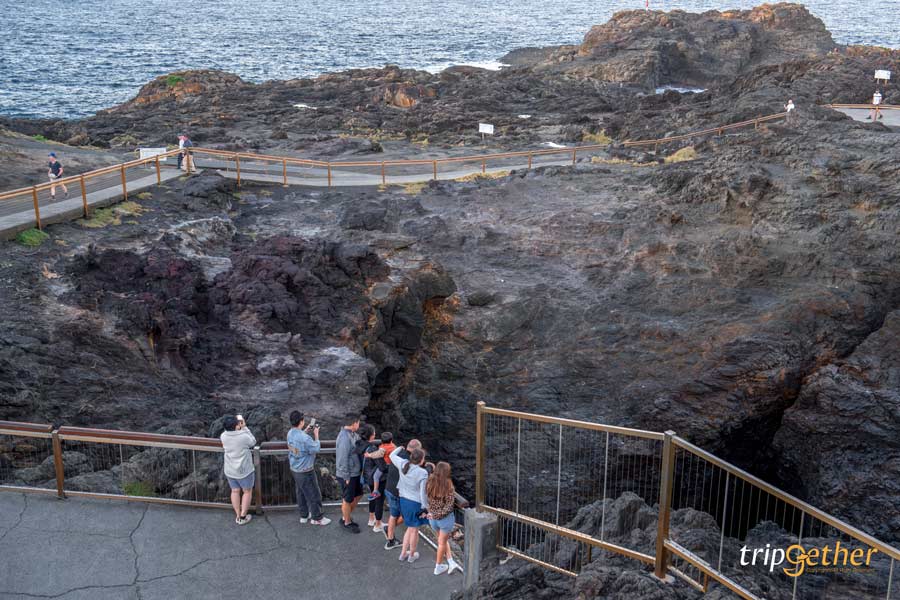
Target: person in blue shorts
413,499
237,441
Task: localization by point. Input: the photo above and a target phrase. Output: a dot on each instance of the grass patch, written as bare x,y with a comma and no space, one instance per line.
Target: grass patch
476,177
597,138
173,80
39,138
411,189
143,196
139,488
620,161
682,155
112,215
32,238
124,140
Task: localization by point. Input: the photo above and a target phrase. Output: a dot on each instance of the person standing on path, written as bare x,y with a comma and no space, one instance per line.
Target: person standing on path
347,469
302,457
54,172
392,493
441,496
237,441
875,113
413,499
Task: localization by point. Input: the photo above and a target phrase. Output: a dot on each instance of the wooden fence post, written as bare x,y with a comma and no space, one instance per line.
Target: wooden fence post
383,176
329,174
257,487
124,184
58,465
483,166
529,159
37,210
84,197
237,168
666,481
284,171
574,155
158,173
435,170
479,456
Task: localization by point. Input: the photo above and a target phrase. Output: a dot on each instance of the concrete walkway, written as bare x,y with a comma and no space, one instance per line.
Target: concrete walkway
108,549
891,117
18,214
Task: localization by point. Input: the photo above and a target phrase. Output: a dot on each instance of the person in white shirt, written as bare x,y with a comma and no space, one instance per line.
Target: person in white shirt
875,113
237,441
789,109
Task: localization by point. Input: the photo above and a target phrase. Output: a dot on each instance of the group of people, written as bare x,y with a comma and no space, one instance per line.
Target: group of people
417,492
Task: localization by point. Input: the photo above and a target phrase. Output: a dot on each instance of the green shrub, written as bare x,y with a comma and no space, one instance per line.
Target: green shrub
39,138
139,488
173,80
32,238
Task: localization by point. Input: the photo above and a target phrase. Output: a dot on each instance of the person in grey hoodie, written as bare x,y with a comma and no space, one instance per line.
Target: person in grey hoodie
413,498
238,440
347,470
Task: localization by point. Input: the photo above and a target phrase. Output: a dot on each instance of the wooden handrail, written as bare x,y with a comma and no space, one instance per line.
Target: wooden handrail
25,427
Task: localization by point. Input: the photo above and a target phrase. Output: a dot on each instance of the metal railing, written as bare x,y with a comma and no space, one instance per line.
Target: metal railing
563,488
132,176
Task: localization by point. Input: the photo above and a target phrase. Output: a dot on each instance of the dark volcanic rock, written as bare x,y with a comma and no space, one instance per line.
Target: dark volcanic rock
654,48
839,442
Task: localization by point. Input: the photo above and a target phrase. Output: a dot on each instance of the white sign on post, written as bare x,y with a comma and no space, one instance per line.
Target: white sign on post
885,75
486,128
151,152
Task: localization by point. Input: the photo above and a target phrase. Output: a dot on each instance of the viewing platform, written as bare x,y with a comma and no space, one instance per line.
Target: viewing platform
104,549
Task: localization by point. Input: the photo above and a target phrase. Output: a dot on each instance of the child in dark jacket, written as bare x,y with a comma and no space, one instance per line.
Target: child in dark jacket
375,469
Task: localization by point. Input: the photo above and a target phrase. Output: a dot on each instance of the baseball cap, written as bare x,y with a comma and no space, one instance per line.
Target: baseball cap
53,154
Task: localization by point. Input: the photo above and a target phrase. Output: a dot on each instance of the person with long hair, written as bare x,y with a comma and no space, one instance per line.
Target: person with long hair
413,500
441,496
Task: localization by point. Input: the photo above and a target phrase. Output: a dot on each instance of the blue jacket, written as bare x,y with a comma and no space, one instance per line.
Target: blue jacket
302,450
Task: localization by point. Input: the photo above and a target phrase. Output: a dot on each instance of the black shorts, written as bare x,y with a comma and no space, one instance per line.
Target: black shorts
351,491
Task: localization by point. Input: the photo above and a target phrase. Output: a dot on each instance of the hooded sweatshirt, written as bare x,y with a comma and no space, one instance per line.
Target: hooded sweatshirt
238,459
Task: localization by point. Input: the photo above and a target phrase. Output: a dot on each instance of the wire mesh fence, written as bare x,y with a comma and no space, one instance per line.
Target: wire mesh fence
601,482
26,461
766,541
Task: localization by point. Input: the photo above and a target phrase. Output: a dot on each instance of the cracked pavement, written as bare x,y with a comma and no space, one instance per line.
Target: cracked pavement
111,550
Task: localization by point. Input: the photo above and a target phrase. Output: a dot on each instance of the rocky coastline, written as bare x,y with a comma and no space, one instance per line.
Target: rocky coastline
747,297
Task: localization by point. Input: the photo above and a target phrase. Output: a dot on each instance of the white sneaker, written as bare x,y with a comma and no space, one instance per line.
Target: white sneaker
452,565
378,528
413,557
371,523
322,521
403,556
244,520
440,569
304,519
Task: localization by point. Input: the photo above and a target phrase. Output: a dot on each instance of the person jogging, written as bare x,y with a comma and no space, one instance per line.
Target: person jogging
55,172
302,457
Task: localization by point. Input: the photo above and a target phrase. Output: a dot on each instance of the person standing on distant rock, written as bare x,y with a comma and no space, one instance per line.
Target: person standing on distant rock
237,441
347,469
302,457
790,109
875,113
54,172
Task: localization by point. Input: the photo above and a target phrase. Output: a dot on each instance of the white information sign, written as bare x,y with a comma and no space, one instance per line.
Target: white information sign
885,75
151,152
486,128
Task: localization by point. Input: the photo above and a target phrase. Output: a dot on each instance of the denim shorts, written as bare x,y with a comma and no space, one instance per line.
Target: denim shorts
410,511
446,524
393,504
245,483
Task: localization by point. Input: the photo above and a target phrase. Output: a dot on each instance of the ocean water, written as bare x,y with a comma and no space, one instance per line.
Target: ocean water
72,58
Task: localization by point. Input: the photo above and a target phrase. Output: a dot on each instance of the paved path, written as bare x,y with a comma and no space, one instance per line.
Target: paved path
18,214
111,550
891,117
